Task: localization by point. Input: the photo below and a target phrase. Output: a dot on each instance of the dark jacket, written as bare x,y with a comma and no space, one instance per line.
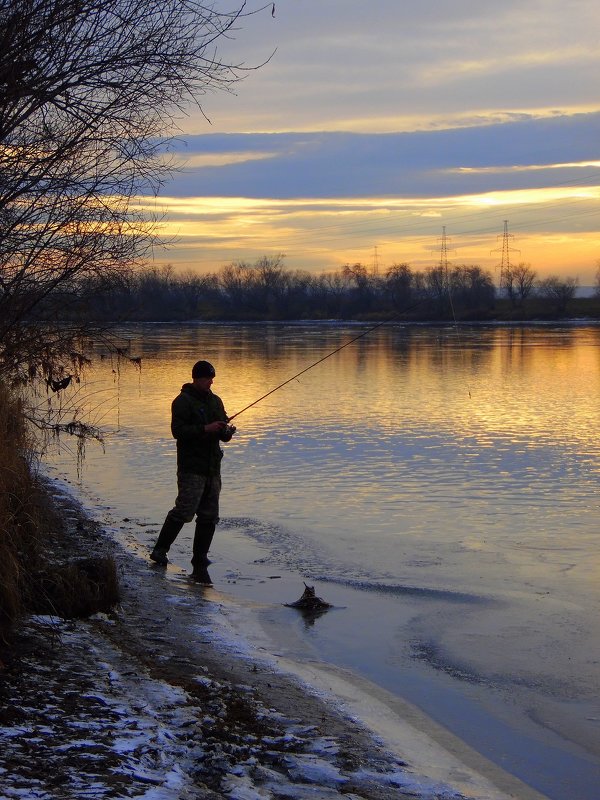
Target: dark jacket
197,452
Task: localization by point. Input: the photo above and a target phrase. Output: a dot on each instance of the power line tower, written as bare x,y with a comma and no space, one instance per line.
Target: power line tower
442,281
444,255
375,261
506,250
442,285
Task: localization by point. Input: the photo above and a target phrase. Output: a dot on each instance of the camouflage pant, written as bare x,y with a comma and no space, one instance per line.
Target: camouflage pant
199,495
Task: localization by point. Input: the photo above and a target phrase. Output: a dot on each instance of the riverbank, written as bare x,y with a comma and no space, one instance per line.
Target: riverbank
155,700
454,531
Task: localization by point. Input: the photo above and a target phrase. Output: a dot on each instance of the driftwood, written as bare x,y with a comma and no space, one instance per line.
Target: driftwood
309,604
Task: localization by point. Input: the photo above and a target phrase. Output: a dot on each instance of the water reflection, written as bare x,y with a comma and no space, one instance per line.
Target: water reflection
461,460
494,421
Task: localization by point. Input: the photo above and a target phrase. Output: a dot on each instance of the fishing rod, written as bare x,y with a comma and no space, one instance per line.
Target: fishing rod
333,352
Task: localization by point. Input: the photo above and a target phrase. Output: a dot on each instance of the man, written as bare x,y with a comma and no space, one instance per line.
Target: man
199,424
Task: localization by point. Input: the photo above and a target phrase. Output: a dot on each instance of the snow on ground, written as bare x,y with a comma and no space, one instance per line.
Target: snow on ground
81,719
157,701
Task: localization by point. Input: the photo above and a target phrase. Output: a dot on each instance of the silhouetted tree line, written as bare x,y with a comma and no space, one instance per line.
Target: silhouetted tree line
267,290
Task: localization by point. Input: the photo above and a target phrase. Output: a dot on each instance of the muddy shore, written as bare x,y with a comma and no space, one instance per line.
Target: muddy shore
151,701
140,703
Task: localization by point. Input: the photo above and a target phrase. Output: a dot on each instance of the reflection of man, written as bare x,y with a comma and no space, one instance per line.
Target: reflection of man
199,424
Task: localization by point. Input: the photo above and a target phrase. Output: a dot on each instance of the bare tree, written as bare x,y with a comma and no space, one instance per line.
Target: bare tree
558,292
507,282
234,281
518,282
333,286
435,281
399,284
364,286
525,281
89,89
471,288
272,283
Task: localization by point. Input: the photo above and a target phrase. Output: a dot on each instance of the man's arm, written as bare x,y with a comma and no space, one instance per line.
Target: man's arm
182,426
226,431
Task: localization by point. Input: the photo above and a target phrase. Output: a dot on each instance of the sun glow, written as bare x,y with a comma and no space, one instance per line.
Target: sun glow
215,206
499,170
202,160
319,234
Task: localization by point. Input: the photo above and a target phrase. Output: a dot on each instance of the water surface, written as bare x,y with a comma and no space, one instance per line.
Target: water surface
441,484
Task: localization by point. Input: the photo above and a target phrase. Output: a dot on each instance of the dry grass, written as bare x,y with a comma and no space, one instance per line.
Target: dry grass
16,529
34,575
76,589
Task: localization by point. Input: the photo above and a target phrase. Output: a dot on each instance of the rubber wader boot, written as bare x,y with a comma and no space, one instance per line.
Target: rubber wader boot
166,537
200,576
203,537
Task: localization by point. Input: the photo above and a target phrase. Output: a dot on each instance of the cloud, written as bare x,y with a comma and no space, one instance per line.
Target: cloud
202,160
529,153
527,167
390,66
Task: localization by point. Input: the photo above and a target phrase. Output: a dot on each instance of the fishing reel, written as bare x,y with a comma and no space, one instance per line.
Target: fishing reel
228,430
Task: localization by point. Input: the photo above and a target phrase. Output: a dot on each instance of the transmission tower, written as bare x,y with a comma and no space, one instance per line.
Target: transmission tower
506,250
444,255
375,261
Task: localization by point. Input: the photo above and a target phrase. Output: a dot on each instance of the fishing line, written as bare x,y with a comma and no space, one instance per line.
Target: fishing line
333,352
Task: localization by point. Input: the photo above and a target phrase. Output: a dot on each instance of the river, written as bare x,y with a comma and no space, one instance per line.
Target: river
438,485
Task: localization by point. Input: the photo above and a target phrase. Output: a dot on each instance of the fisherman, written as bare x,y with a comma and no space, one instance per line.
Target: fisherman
199,424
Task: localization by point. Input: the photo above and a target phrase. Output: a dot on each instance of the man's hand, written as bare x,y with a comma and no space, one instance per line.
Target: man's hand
227,433
215,427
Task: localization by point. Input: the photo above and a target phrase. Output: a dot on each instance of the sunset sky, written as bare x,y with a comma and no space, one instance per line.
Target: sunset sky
376,124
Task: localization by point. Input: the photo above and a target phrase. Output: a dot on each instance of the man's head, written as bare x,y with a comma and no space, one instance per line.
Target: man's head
202,374
203,369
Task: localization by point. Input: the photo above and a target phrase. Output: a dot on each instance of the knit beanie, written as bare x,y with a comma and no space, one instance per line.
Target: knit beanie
202,369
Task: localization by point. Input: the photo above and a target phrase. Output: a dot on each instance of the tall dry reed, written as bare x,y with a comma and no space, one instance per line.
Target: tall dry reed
41,568
19,545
